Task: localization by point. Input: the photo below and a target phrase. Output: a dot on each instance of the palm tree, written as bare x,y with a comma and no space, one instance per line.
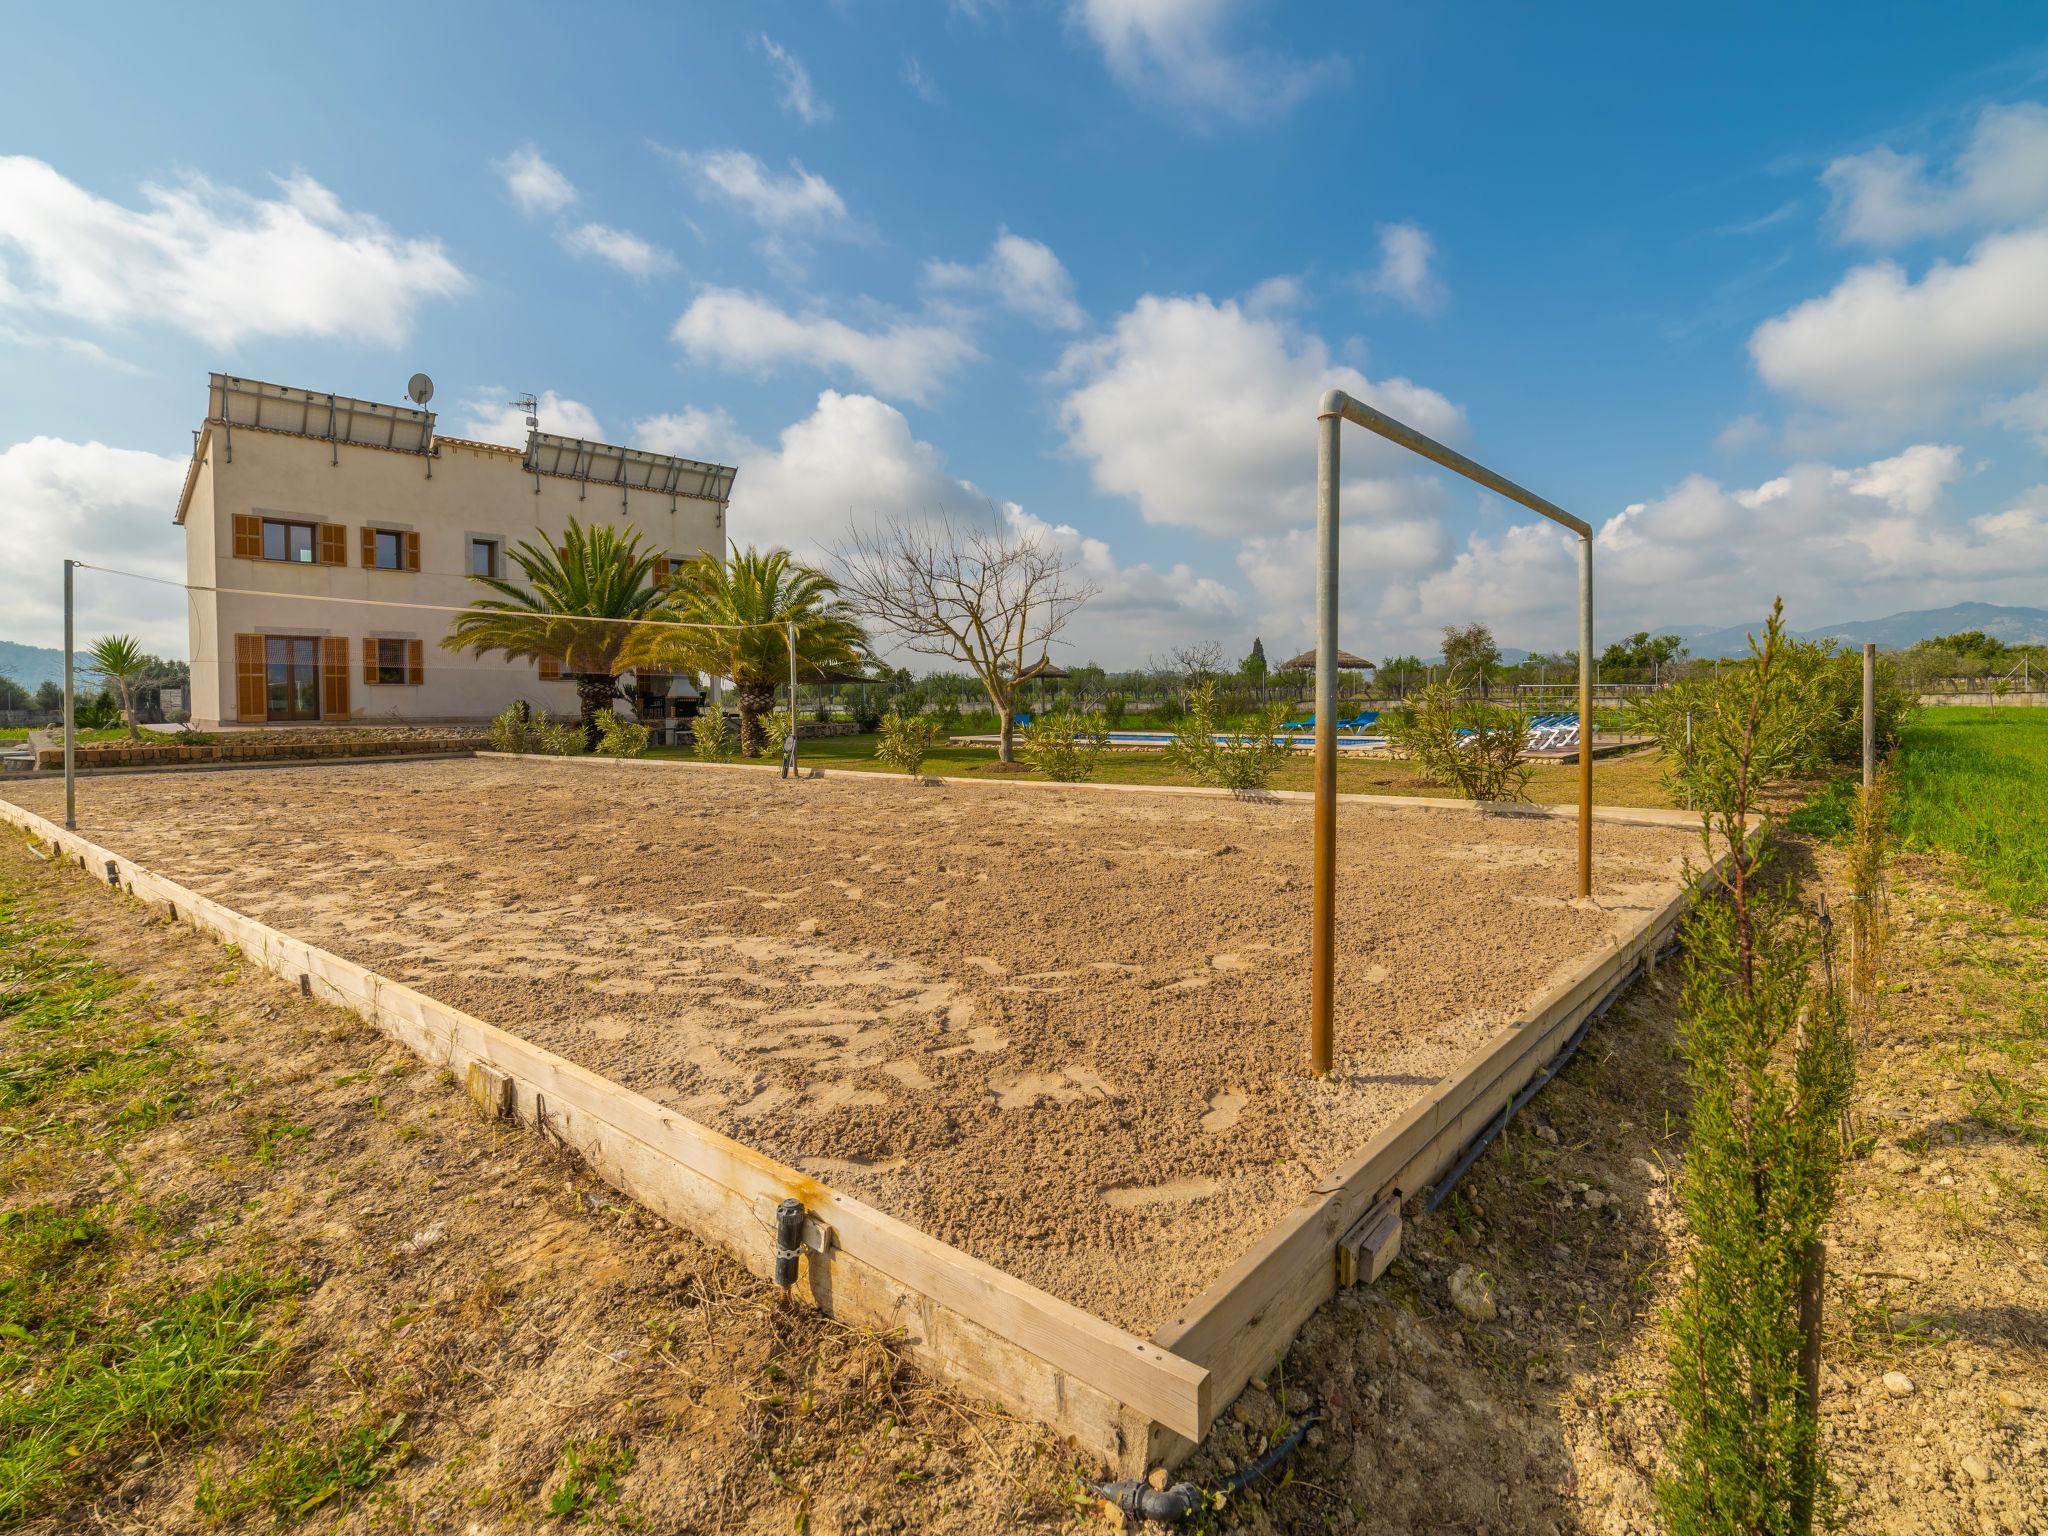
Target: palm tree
124,665
757,596
577,608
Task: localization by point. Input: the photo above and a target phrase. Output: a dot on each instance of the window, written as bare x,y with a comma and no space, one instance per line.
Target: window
390,549
290,541
483,557
391,662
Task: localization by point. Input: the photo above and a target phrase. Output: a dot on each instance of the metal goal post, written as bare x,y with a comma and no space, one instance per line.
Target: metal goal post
1336,409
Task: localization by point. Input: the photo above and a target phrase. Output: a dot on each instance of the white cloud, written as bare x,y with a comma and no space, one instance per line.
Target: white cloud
1836,542
744,331
854,459
802,200
1741,433
1881,343
1177,51
1024,276
919,79
799,99
1406,273
110,506
1883,197
1123,589
1398,539
622,248
2027,413
1203,413
490,418
536,186
216,263
1911,482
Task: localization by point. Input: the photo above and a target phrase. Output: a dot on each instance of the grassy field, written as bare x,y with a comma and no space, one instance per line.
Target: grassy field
1633,779
1974,783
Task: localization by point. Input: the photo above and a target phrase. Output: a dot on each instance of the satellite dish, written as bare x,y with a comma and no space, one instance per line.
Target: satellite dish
421,389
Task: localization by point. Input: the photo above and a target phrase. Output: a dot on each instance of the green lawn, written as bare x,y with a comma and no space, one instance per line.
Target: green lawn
1636,779
107,733
1974,783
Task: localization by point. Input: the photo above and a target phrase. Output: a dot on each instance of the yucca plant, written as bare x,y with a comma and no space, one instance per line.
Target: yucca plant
124,665
579,607
731,619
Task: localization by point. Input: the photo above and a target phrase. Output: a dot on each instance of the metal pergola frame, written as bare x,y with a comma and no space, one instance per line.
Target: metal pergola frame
1336,409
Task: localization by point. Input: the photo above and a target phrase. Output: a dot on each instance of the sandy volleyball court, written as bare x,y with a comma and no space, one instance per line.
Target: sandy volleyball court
1062,1030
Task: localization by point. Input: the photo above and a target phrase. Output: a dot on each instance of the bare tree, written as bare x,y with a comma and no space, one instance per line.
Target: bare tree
987,597
1192,664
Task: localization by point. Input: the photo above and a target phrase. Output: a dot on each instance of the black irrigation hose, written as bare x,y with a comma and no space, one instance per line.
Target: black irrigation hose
1556,1065
1170,1506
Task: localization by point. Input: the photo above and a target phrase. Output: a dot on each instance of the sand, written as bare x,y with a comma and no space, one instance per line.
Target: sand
1063,1030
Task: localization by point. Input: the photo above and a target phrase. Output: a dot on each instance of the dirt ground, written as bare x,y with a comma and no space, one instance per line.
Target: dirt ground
455,1280
1063,1031
466,1276
1549,1416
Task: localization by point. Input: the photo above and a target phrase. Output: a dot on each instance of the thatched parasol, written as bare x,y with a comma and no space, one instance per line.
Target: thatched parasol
1346,662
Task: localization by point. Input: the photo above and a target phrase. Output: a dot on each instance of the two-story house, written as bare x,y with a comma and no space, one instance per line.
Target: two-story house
329,542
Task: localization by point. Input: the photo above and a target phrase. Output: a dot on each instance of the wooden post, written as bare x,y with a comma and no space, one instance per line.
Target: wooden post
1869,714
1809,1374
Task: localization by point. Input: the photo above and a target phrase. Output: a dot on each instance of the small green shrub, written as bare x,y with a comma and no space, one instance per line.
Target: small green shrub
1113,707
1063,747
711,738
1764,1036
527,728
907,741
619,737
1241,760
507,731
774,730
1478,749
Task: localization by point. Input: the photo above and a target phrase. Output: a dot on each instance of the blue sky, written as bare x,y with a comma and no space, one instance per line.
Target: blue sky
1764,297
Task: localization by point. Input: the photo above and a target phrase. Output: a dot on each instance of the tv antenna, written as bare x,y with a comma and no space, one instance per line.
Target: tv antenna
420,389
531,406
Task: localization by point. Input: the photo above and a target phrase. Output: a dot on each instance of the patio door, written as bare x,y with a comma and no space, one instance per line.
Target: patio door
292,677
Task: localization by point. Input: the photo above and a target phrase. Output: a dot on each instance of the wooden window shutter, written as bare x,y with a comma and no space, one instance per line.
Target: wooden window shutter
663,572
369,660
415,662
250,703
550,670
334,544
248,537
369,548
334,677
412,551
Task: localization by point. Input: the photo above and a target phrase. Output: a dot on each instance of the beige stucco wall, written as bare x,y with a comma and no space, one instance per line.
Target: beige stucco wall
474,490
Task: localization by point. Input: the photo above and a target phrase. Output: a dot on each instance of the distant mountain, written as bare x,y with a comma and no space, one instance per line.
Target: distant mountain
33,665
2015,626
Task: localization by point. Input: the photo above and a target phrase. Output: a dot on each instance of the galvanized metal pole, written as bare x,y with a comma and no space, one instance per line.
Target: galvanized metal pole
1869,714
1585,715
70,711
1335,409
1323,939
789,747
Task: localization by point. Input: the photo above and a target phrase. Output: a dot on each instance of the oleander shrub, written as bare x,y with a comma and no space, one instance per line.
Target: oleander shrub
619,737
907,740
1064,747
